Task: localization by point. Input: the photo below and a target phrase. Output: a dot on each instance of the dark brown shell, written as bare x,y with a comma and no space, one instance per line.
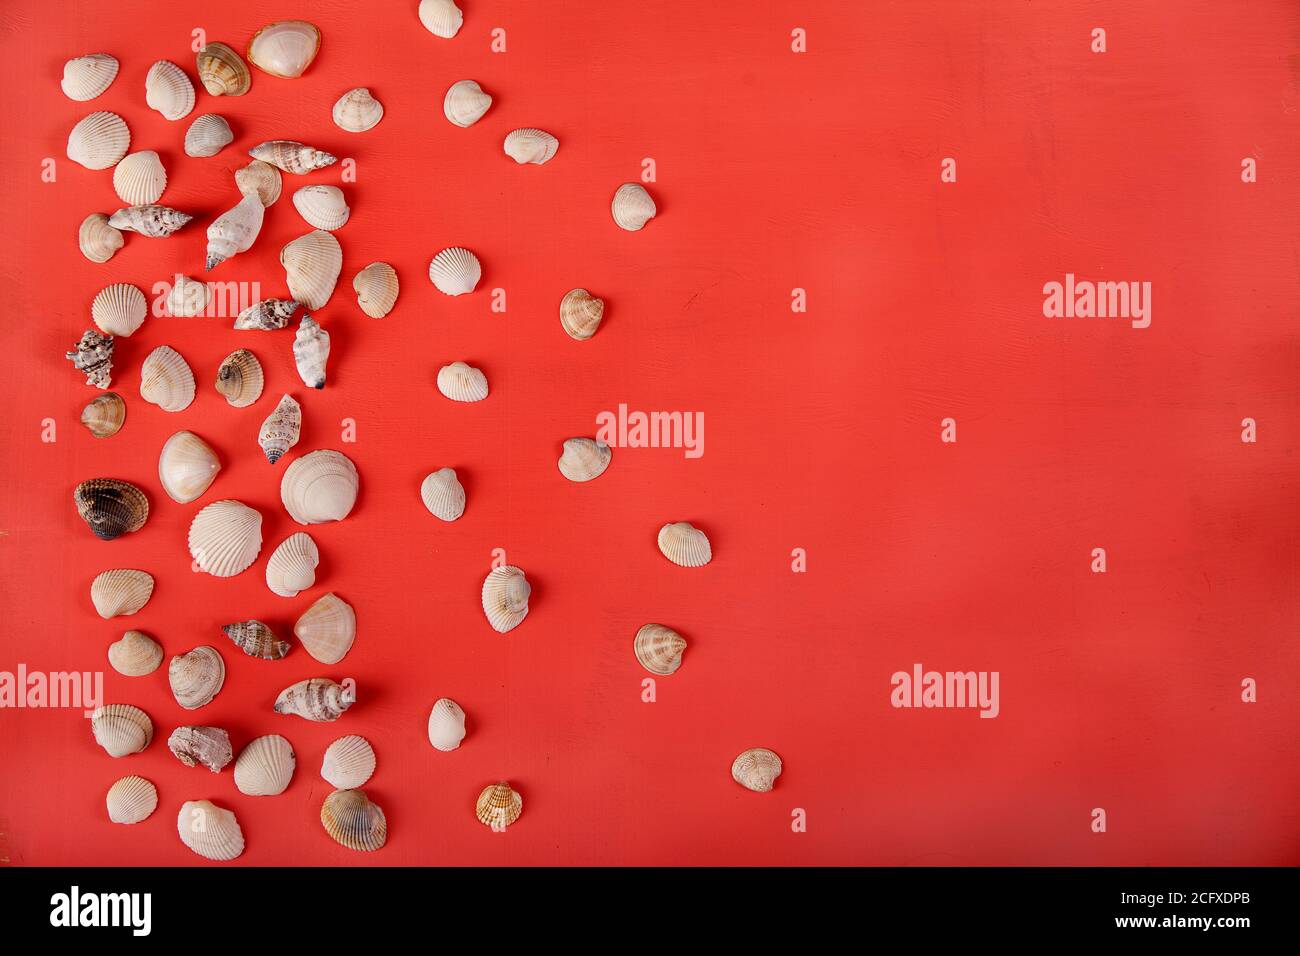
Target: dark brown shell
110,507
256,640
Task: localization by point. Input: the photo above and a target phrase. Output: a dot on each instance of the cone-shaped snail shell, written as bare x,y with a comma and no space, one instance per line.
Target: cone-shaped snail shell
187,467
327,629
756,769
110,507
119,309
580,314
240,378
357,111
120,592
462,383
376,288
684,544
311,352
188,297
529,145
632,207
166,380
267,315
93,356
225,538
317,699
104,415
121,729
442,18
235,230
196,677
135,654
320,486
201,747
284,48
498,806
312,264
260,179
349,763
505,598
131,800
168,90
291,156
265,767
292,567
222,71
465,103
210,831
443,494
86,77
156,222
256,640
446,725
659,649
280,431
353,820
98,240
139,179
208,135
99,140
455,271
584,459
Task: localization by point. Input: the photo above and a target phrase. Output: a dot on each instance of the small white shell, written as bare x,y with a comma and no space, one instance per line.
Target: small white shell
187,466
210,831
312,264
86,77
135,654
265,767
196,676
121,729
465,103
505,598
581,314
292,566
207,136
462,383
442,18
284,48
167,89
121,591
262,179
225,538
311,351
376,288
357,111
327,629
455,271
320,486
139,179
131,800
756,769
323,207
443,494
188,297
684,544
166,380
349,762
446,725
98,240
632,207
584,459
281,429
99,140
119,309
530,145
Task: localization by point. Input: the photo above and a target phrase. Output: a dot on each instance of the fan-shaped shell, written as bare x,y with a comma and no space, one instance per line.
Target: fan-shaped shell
349,762
327,629
357,111
201,746
462,383
111,507
225,538
265,766
281,428
187,467
312,264
659,649
442,18
284,48
119,309
196,677
121,591
98,240
86,77
455,271
261,178
530,145
317,699
208,135
580,314
121,729
354,821
505,598
222,71
323,207
684,544
153,221
292,156
632,207
498,806
131,800
135,654
584,459
188,297
104,415
756,769
210,831
139,179
443,494
446,725
465,103
376,288
99,140
166,380
320,486
256,640
240,378
168,90
292,567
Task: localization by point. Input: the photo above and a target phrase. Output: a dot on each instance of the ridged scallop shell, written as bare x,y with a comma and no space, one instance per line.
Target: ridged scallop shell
632,207
135,654
119,309
261,179
291,156
349,762
317,699
166,380
139,179
210,831
156,222
756,769
121,591
281,428
168,90
121,729
196,676
99,140
256,640
442,18
327,629
498,806
376,288
455,271
222,71
93,356
353,820
240,378
584,459
505,598
465,103
292,566
446,725
684,544
443,494
86,77
235,230
265,766
104,415
312,264
267,315
284,48
201,747
462,383
131,800
188,297
530,145
322,206
187,466
357,111
320,486
580,314
659,649
225,538
208,135
98,240
111,507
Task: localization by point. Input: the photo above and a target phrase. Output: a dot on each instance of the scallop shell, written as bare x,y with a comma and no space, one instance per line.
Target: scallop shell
292,567
529,145
584,459
240,378
256,640
756,769
462,383
312,264
131,800
317,699
110,507
225,538
166,380
376,288
121,591
235,230
684,544
280,431
455,271
267,315
86,77
196,677
442,18
98,240
201,746
443,494
349,762
139,179
261,179
222,71
121,729
135,654
632,207
580,314
327,629
659,649
156,222
284,48
265,766
187,466
351,819
322,206
119,309
357,111
311,352
465,103
291,156
104,415
320,486
188,297
505,598
446,725
207,136
168,90
99,140
210,831
93,355
498,806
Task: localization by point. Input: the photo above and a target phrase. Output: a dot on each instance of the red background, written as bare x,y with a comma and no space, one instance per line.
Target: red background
775,170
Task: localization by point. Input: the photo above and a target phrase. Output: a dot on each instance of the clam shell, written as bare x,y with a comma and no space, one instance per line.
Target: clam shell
291,156
462,383
756,769
131,800
446,725
349,762
201,746
465,103
188,297
267,315
187,467
632,207
455,271
225,538
292,567
351,819
327,629
93,355
120,592
196,677
498,806
284,48
311,351
530,145
580,314
98,240
256,640
166,380
222,71
153,221
139,179
110,507
208,135
85,77
135,654
210,831
584,459
119,309
659,649
357,111
320,486
104,415
99,140
240,378
376,288
312,264
442,18
168,90
265,766
443,494
121,729
505,598
260,178
317,699
322,206
684,544
280,431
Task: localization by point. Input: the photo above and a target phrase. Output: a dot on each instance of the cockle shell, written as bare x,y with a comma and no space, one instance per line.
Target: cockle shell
446,725
196,677
505,598
465,103
261,179
188,297
98,240
139,179
318,699
267,315
256,640
659,649
222,71
376,288
349,762
156,222
104,415
311,352
322,206
580,313
110,507
119,309
135,654
265,766
121,591
280,431
684,544
93,355
131,800
455,271
86,77
442,18
207,136
443,494
201,746
225,538
240,378
584,459
632,207
327,629
166,380
121,729
462,383
756,769
498,806
530,146
320,486
284,48
292,156
312,264
235,230
187,467
210,831
357,111
99,140
354,821
168,90
292,567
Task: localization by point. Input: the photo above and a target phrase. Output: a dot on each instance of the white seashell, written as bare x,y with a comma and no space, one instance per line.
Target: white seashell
196,677
188,297
317,699
455,271
353,820
187,467
312,264
265,766
584,459
240,378
139,179
530,145
632,207
659,649
207,136
168,90
442,18
320,486
121,729
104,414
311,352
327,629
131,800
284,48
349,762
357,111
443,494
166,380
135,654
446,725
86,77
376,288
580,314
462,383
465,103
505,598
99,140
210,831
260,179
280,431
235,230
153,221
292,566
222,72
267,315
684,544
119,309
201,747
120,592
98,240
225,538
756,769
292,156
322,206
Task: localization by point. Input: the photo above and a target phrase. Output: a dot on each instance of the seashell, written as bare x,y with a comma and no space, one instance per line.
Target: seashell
465,103
498,806
265,766
756,769
120,592
318,699
262,179
210,831
131,800
85,77
139,179
156,222
256,640
201,746
280,430
462,383
225,538
196,677
320,486
111,508
121,729
99,140
312,264
584,459
505,598
632,207
659,649
104,415
135,654
284,48
376,288
166,380
292,567
443,494
530,146
98,240
240,378
322,206
352,820
442,18
93,354
267,315
187,466
580,314
455,271
357,111
684,544
235,230
168,90
311,351
188,297
222,72
291,156
349,762
446,725
119,309
207,136
327,629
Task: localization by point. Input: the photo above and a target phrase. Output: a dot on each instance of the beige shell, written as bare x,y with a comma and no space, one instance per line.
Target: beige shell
281,429
235,230
196,677
462,383
166,380
201,747
446,725
443,494
659,649
284,48
121,729
188,297
311,351
139,179
349,762
756,769
323,207
120,592
131,800
465,103
357,111
187,466
168,90
505,598
240,378
455,271
104,415
317,699
327,629
98,240
256,640
320,486
265,766
530,145
291,156
442,18
135,654
208,135
353,820
99,140
153,221
266,315
312,264
110,507
119,309
260,179
210,831
222,71
584,459
292,566
498,806
632,207
580,314
376,288
85,77
225,538
684,544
